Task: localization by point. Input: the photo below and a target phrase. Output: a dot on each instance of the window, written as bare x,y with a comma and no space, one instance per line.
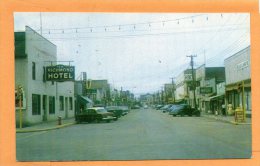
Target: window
70,104
51,105
33,70
61,103
36,104
44,98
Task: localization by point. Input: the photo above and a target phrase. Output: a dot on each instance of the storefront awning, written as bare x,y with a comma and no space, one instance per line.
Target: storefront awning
85,99
216,97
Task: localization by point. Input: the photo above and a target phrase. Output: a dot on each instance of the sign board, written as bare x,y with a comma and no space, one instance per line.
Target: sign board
91,91
205,90
60,73
239,116
188,77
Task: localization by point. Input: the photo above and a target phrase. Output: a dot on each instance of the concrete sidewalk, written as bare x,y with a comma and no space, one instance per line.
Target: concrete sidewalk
49,125
228,119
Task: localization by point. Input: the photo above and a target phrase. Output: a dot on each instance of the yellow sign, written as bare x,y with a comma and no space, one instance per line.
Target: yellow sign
239,115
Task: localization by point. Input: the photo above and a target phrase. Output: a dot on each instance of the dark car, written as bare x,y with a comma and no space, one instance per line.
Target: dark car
125,110
174,106
158,107
95,114
184,109
165,108
118,111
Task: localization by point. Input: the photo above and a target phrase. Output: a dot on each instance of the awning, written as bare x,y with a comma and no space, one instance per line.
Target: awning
217,96
85,99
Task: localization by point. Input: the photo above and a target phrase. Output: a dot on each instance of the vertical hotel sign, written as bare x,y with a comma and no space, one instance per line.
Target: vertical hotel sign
60,73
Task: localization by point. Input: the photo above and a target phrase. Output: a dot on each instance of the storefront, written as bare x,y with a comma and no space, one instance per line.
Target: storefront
238,81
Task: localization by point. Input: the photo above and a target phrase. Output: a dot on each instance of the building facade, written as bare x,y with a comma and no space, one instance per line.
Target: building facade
207,79
238,81
44,100
183,82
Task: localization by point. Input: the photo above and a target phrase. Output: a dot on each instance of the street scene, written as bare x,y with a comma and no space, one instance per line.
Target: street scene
132,86
143,134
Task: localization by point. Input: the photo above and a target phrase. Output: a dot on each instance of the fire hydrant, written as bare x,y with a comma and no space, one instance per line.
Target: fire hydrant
59,120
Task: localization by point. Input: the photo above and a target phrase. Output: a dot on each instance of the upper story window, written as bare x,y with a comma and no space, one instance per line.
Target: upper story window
33,70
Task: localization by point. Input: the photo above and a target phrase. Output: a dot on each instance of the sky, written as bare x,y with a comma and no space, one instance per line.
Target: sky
139,52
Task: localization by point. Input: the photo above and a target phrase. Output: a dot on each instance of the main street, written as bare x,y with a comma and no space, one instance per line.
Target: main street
141,135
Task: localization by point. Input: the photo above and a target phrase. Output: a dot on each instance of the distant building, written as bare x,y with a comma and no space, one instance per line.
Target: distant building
169,93
146,99
238,73
183,82
207,79
98,91
43,100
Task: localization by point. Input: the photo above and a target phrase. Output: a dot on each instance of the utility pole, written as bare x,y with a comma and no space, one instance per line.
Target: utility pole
193,78
173,94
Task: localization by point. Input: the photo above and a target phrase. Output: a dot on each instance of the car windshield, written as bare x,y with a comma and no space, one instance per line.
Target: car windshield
101,110
112,108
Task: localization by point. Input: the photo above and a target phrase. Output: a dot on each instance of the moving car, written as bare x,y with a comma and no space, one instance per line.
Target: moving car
95,114
184,109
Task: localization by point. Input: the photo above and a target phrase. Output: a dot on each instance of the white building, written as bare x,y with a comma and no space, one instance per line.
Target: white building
183,82
238,73
43,100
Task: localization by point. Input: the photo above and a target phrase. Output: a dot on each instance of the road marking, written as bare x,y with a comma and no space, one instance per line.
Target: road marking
34,134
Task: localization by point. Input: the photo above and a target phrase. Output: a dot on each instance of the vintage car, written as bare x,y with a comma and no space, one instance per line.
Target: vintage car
117,110
95,114
184,109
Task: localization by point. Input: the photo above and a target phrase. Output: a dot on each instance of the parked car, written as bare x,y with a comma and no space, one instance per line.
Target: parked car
118,111
184,109
125,110
95,114
145,106
165,108
136,107
158,107
174,106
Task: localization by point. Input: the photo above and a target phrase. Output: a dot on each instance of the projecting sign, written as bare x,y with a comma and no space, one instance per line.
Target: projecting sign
60,73
205,90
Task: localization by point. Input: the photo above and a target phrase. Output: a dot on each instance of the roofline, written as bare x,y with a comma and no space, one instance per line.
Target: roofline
237,53
40,35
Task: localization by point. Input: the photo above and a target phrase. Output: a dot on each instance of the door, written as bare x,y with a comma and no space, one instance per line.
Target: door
66,108
44,107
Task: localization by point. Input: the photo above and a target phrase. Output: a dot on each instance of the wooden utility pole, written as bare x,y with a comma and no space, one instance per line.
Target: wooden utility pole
193,78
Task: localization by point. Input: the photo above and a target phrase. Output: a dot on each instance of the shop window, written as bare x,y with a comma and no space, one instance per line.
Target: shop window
51,105
61,103
36,104
33,70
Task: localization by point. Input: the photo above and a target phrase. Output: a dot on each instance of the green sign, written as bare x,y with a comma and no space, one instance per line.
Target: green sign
91,91
205,90
60,73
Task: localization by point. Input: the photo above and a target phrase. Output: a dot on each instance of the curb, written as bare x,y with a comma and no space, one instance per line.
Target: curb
227,121
45,129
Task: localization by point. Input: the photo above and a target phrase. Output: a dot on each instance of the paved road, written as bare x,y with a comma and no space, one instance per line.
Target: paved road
141,135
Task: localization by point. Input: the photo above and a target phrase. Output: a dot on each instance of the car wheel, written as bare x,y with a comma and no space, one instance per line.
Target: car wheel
173,115
108,121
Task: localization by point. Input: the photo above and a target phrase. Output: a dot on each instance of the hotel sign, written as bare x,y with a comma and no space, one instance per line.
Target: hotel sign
60,73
